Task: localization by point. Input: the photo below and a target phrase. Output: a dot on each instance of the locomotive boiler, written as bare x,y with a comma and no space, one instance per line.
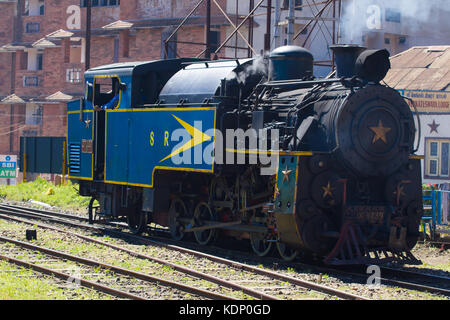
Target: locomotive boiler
257,149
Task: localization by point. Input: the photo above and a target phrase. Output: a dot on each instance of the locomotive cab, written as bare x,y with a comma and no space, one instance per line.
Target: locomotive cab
98,140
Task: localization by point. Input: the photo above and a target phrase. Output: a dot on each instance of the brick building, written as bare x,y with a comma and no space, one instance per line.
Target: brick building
42,52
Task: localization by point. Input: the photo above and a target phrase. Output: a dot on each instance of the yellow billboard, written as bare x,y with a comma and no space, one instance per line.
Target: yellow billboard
429,101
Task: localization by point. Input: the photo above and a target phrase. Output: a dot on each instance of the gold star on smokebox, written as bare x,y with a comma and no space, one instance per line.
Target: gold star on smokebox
380,132
327,190
286,174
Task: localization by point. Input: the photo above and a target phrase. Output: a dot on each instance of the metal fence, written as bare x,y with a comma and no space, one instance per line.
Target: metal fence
436,205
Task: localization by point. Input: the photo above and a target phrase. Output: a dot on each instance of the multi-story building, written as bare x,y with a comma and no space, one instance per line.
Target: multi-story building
43,42
43,46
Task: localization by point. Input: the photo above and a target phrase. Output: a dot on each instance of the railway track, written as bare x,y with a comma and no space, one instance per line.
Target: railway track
113,279
393,276
273,281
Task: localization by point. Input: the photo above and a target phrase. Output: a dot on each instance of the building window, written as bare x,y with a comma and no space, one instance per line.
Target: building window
30,81
171,45
393,15
297,4
34,8
100,3
33,27
35,60
29,133
73,75
39,61
437,158
215,40
33,114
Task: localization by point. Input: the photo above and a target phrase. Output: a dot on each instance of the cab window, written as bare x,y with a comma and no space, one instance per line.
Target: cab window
105,89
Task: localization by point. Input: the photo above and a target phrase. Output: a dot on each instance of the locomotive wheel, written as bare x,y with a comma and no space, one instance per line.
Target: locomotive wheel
177,212
287,253
203,213
92,210
259,244
258,240
137,222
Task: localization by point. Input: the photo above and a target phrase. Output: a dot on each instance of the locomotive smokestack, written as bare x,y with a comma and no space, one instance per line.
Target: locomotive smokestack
345,56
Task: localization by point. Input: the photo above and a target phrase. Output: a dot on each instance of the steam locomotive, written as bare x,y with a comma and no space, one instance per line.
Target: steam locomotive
256,149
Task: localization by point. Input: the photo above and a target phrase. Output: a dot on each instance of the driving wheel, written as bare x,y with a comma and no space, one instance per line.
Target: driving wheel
177,216
287,253
202,216
137,222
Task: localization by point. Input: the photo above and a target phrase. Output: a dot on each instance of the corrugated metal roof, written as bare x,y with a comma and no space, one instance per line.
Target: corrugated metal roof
421,68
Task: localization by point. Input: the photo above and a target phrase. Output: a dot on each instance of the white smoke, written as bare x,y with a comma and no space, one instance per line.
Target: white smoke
259,66
416,17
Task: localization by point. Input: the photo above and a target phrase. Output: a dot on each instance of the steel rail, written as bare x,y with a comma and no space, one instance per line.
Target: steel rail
63,276
254,293
39,211
123,271
403,284
234,264
222,282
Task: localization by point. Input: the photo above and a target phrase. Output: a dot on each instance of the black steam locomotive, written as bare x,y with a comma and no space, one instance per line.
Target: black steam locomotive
332,171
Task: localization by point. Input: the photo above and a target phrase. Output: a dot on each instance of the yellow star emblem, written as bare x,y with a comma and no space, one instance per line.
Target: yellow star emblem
380,132
327,190
87,122
286,174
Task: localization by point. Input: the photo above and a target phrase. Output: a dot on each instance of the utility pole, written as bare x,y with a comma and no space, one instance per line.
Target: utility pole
88,35
250,27
208,30
268,26
276,28
291,20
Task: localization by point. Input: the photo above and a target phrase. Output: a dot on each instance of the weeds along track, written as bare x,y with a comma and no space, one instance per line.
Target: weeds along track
118,282
225,272
180,264
252,281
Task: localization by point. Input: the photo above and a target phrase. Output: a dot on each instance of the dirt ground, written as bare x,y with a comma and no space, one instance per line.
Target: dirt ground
433,255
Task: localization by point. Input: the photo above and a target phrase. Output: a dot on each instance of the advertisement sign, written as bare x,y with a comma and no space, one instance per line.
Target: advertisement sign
8,165
429,101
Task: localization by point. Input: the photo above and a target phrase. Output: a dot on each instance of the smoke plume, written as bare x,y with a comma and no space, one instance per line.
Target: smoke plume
425,18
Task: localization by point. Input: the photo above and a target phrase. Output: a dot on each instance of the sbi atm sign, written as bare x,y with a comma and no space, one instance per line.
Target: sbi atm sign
8,166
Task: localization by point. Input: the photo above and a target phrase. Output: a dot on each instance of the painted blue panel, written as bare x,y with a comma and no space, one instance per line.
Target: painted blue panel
169,138
80,164
73,106
117,142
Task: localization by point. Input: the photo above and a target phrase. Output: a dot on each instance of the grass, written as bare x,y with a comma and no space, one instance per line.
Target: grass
63,196
17,283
